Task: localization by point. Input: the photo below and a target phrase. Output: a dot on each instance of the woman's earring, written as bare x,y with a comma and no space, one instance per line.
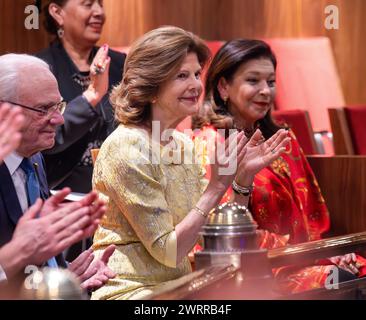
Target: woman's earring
225,100
60,32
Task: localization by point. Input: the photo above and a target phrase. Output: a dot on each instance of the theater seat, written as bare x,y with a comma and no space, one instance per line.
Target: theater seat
356,116
342,139
349,131
299,122
307,78
214,46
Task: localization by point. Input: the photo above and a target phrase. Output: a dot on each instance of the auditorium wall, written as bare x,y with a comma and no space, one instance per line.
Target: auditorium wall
218,20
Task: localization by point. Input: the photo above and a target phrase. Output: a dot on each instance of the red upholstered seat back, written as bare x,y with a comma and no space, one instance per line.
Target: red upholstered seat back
299,122
356,117
214,46
307,78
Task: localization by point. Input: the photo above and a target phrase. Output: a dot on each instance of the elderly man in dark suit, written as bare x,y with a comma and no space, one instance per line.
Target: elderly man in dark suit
27,82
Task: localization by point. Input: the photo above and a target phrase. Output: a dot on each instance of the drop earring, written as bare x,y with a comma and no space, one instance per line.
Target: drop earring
60,32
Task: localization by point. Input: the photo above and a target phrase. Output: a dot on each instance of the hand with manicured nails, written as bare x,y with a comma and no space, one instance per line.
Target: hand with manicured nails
346,262
259,154
227,158
99,76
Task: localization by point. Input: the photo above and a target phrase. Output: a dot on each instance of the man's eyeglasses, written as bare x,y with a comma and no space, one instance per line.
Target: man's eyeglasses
60,107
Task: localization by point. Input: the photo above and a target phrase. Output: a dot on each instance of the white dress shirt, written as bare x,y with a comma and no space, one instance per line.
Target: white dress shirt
18,176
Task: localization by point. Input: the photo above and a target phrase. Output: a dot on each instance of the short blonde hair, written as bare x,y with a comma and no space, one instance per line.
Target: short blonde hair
152,60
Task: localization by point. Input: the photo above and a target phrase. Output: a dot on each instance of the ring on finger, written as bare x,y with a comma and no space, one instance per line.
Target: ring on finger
98,70
98,67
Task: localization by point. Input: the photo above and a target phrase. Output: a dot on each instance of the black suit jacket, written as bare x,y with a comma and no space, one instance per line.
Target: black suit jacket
10,209
83,123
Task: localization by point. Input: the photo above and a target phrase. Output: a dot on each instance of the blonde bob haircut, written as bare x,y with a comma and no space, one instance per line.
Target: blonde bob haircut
152,61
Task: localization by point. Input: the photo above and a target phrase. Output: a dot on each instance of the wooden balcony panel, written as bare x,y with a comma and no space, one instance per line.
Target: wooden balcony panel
342,180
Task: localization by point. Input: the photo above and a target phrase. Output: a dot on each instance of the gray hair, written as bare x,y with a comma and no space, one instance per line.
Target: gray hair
11,67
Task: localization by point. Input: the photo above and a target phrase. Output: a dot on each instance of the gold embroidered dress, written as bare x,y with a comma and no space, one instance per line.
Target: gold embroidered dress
146,199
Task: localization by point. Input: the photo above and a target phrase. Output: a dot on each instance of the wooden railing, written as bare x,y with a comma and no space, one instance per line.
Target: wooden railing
228,282
309,252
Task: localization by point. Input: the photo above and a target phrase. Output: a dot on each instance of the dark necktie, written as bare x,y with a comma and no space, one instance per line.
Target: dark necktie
33,192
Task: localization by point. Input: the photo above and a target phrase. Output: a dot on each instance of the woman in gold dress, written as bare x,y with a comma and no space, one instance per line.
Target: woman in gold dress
157,197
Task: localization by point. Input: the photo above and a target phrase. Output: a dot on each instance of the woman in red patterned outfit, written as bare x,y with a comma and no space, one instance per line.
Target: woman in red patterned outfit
286,200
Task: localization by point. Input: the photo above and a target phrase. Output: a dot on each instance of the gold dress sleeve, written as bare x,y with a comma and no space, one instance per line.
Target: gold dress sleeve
140,196
145,201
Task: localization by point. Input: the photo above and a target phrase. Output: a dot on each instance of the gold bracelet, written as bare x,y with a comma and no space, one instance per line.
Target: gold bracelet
201,212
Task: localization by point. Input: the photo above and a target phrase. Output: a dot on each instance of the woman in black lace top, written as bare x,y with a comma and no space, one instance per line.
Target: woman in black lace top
85,74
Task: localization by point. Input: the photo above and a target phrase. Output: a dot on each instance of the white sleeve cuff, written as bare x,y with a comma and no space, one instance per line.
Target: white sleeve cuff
170,259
